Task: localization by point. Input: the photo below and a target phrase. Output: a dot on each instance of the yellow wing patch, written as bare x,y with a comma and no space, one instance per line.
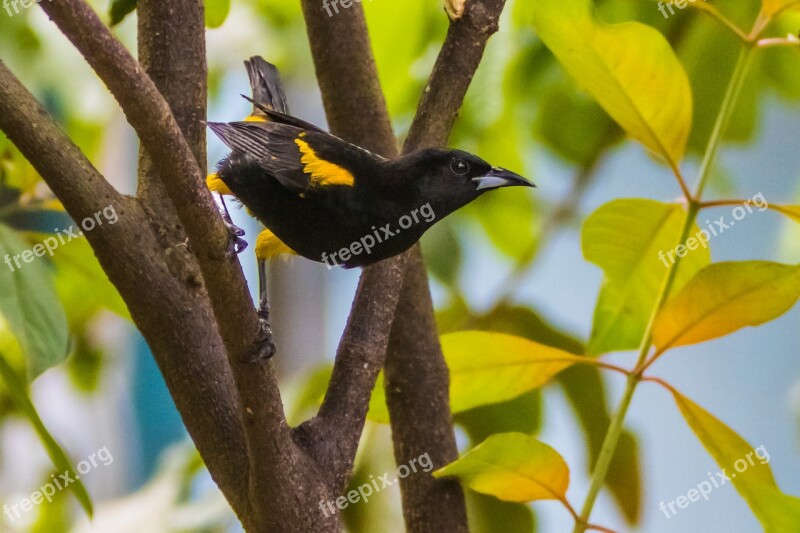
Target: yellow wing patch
322,172
217,185
269,246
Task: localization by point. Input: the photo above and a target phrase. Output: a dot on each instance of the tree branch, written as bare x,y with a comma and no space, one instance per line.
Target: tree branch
416,376
332,437
348,78
452,74
272,455
159,133
356,111
173,313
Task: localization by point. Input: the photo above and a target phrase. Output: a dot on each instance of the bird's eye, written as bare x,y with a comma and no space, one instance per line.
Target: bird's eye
459,167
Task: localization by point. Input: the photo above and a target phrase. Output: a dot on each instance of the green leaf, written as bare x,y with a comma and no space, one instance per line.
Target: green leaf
791,211
216,12
503,210
574,125
626,239
630,69
725,297
403,70
490,515
584,388
747,467
512,467
119,10
15,386
487,368
523,322
771,7
521,414
82,284
29,304
442,251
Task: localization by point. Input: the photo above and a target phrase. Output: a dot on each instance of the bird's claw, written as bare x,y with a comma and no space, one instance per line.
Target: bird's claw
265,346
233,229
236,244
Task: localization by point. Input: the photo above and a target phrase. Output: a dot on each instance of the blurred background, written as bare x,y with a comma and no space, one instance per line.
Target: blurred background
510,262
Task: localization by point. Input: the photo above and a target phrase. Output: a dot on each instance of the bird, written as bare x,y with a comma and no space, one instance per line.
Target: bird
331,201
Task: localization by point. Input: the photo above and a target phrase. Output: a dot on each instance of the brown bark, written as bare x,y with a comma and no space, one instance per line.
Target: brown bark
417,381
191,302
417,377
171,311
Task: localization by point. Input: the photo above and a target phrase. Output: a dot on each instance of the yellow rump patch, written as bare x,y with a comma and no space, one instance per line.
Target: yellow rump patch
269,246
322,172
217,185
256,118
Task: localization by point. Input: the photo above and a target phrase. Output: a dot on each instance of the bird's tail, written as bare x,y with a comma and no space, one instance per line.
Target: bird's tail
267,86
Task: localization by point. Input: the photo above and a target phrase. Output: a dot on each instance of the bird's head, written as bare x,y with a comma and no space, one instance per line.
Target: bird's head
451,179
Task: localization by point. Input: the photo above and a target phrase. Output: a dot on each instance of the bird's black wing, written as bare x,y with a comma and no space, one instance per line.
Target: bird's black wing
302,161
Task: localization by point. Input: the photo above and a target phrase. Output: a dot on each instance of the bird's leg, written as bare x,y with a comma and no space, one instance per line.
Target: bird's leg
236,244
263,296
267,345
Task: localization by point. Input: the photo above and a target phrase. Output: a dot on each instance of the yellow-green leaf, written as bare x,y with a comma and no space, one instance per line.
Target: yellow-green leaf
745,466
487,368
631,239
725,297
630,69
513,467
29,304
771,7
791,211
82,284
216,12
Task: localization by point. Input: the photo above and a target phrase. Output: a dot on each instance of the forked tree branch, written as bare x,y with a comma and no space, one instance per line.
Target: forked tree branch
171,312
139,254
356,111
269,444
150,115
416,376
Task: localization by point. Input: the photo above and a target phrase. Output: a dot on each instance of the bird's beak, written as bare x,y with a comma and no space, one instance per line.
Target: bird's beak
500,177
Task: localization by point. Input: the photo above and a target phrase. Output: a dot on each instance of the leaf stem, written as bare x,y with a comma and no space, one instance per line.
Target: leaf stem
731,96
714,12
617,421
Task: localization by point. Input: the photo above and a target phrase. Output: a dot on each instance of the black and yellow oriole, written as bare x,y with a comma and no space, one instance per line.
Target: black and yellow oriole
329,200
